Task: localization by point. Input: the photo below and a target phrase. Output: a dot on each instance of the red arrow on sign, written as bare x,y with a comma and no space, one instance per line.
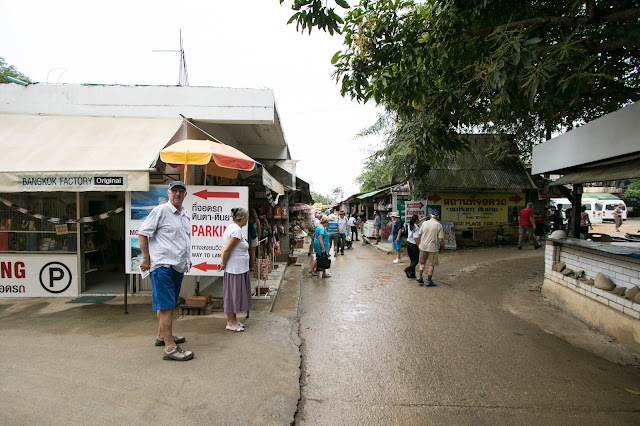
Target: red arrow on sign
205,266
515,198
434,198
415,206
207,194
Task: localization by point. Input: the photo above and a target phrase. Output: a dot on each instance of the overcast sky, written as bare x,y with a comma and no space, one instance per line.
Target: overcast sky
240,44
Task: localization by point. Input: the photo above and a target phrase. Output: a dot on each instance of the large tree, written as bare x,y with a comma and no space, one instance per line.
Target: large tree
522,69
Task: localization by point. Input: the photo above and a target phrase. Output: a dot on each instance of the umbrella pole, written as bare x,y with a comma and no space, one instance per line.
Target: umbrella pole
186,168
206,167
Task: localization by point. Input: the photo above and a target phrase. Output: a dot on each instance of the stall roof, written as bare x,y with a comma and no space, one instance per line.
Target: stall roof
374,192
600,150
476,170
246,119
603,172
73,145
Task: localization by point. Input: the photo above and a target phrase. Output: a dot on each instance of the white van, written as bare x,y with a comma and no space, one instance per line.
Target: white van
610,206
594,207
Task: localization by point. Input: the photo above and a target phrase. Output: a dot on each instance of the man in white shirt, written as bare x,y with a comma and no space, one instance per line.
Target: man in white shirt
431,242
343,227
354,227
165,242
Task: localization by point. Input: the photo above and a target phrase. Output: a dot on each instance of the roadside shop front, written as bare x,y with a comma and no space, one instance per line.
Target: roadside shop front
63,190
66,210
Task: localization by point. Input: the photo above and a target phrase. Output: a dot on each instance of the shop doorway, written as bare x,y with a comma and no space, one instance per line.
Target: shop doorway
104,244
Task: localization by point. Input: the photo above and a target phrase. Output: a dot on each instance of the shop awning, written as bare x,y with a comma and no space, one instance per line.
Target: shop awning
74,153
612,171
268,181
372,193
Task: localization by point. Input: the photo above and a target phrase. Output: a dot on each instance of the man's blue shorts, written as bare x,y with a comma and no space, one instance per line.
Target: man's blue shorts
165,288
397,245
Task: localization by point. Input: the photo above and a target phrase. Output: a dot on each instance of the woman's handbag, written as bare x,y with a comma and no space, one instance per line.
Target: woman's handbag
323,261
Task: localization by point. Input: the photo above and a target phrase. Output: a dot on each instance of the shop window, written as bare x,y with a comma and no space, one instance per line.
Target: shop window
22,231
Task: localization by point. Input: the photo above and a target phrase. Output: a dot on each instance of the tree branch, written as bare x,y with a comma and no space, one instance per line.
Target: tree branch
614,44
620,15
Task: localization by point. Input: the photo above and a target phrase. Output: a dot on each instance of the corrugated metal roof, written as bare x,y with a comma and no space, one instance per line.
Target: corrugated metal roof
474,170
372,193
623,170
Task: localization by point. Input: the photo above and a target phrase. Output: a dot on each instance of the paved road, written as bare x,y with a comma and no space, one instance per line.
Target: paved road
378,349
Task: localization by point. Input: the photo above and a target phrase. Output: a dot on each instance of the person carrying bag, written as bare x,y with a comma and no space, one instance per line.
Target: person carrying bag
321,247
323,261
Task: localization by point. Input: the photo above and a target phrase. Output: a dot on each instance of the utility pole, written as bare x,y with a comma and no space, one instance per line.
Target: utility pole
183,75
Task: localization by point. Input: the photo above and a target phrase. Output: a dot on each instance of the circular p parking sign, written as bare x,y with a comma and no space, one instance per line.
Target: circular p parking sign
55,277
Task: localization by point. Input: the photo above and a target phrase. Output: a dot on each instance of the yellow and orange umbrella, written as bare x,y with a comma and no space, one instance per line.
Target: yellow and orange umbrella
219,159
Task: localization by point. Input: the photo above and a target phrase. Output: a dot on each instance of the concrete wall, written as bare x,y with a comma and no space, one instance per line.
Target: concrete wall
612,314
213,104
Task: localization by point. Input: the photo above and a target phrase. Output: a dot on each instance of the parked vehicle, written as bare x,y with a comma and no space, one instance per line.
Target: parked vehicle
594,207
610,206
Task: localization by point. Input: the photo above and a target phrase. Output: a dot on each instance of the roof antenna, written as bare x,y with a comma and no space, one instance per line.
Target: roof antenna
183,74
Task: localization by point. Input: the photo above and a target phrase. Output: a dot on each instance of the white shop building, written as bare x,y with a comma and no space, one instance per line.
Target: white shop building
73,155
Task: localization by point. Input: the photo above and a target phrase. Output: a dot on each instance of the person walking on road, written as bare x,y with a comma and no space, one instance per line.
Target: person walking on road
396,235
617,217
321,246
413,230
377,225
354,227
236,283
585,222
343,229
527,226
165,243
332,228
312,231
431,242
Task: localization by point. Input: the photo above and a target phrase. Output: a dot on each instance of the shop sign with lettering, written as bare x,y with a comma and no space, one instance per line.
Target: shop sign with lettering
472,209
209,209
29,275
66,181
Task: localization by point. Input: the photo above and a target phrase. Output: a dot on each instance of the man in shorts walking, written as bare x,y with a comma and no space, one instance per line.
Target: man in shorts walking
430,241
527,228
165,242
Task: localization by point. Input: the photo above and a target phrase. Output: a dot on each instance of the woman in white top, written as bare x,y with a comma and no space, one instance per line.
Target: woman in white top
236,285
412,246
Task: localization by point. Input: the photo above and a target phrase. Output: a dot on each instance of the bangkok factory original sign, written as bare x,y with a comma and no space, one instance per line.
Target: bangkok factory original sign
209,209
73,181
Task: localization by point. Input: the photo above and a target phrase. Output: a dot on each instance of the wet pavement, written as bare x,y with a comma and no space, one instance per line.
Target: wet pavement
88,364
367,346
379,349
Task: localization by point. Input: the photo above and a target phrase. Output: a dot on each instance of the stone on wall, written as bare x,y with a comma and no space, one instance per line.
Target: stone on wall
619,290
558,267
632,292
603,283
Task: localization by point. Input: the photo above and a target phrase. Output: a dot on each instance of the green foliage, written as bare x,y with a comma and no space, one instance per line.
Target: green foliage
7,70
314,13
521,70
337,193
319,198
633,189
